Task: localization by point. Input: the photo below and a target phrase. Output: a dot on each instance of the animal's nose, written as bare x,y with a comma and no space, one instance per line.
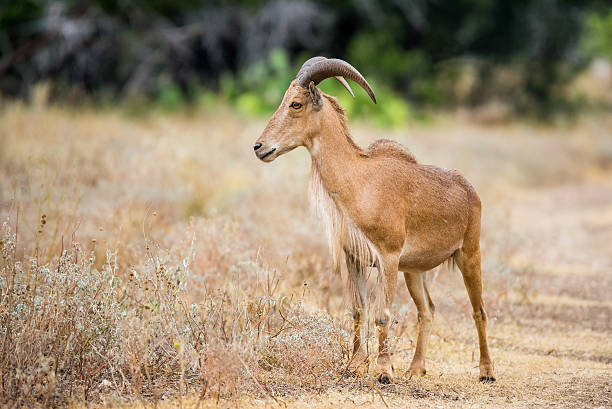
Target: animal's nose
256,146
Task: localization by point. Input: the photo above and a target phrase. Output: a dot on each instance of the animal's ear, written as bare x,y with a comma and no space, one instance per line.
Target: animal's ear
315,94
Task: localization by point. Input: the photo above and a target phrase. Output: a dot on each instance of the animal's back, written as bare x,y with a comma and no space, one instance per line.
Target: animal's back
389,148
416,174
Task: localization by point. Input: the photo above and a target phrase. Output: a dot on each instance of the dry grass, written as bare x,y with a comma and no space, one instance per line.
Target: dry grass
156,261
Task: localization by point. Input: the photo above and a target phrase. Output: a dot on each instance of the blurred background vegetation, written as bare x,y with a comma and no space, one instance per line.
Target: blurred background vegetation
534,58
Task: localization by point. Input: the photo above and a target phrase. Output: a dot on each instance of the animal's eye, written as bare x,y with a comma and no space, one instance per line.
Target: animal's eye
295,105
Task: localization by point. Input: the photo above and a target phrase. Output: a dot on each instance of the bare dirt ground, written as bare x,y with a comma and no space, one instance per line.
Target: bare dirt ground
547,251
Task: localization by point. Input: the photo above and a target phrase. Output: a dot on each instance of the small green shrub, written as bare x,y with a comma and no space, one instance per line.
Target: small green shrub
169,96
390,111
259,90
408,72
598,37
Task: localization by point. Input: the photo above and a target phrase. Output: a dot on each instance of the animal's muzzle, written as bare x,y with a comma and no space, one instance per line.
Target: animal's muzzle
264,154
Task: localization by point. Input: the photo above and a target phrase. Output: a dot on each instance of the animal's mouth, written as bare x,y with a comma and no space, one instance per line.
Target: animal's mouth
262,156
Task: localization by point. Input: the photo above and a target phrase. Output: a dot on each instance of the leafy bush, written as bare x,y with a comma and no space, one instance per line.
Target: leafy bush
598,38
169,96
160,50
260,89
409,72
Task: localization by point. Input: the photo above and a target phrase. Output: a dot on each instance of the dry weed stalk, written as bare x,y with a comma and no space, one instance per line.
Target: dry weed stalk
72,331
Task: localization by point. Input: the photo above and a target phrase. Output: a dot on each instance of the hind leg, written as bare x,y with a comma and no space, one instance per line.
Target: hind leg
425,308
468,260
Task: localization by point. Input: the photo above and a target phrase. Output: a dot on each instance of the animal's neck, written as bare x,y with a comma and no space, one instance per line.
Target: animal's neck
333,182
334,155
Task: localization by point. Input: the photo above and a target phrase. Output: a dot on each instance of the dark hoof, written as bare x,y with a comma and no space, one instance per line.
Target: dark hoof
384,379
487,379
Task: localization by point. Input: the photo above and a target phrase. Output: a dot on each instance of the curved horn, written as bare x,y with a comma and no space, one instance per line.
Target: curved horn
319,68
346,85
308,63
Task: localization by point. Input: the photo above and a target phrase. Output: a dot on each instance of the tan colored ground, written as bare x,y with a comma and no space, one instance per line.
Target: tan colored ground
555,347
547,240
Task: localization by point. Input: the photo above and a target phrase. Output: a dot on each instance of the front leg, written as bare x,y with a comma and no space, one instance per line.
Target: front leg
386,285
356,284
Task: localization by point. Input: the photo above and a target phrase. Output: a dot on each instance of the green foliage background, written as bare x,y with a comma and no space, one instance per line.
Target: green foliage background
419,54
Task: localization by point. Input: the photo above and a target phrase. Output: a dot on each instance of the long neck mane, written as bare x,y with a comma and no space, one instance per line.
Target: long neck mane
333,155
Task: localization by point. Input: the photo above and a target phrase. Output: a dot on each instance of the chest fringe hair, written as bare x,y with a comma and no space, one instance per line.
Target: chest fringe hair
342,233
